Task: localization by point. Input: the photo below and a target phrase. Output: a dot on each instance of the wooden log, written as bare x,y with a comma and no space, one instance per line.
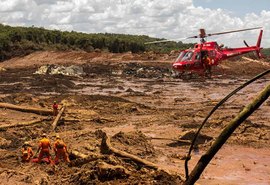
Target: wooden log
106,147
225,134
44,112
58,117
5,126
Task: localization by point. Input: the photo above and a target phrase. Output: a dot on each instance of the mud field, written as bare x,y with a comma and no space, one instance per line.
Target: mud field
144,111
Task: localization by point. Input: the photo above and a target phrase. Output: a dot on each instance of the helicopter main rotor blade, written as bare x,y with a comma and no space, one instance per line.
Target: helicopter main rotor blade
169,40
203,34
233,31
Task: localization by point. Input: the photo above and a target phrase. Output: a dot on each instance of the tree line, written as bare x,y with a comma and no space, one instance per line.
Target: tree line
19,41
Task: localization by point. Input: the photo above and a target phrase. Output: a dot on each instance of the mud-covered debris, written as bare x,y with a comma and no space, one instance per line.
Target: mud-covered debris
72,70
129,107
189,135
139,142
2,69
109,172
162,177
132,138
4,142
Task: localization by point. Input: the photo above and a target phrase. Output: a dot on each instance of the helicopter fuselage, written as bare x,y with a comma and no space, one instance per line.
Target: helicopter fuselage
191,59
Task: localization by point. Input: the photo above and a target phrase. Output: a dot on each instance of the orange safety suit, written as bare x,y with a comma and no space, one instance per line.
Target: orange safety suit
60,149
207,60
27,153
207,64
44,147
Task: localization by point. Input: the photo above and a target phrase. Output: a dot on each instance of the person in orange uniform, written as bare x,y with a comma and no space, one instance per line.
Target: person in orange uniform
55,108
27,152
44,148
207,65
60,149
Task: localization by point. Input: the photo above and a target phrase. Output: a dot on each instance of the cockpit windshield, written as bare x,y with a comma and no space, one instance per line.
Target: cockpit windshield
184,56
187,56
182,53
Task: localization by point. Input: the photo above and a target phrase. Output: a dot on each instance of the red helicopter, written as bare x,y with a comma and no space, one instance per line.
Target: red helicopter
193,60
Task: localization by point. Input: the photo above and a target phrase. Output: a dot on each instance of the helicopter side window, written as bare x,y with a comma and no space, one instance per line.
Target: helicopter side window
188,55
211,54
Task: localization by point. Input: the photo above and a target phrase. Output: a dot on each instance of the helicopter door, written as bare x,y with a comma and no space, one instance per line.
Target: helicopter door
197,60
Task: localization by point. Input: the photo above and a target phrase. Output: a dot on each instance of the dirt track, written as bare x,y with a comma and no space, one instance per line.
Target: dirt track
136,101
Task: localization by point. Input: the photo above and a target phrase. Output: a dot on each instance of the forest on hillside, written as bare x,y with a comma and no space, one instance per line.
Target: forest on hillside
20,41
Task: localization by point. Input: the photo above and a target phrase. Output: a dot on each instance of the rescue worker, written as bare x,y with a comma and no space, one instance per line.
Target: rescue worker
55,108
207,65
27,152
44,148
60,149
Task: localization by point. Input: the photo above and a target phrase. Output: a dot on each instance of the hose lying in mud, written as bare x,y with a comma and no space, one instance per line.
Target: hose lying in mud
238,120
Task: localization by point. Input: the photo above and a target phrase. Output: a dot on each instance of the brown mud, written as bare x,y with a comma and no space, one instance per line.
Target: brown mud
143,108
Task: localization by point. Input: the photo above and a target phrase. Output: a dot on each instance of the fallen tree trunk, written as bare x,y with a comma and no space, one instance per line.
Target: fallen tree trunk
225,134
3,127
44,112
106,147
58,117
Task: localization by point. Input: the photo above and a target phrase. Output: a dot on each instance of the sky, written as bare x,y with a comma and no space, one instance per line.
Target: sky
169,19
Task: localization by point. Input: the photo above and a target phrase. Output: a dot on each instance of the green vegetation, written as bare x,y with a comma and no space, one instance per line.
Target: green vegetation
266,52
19,41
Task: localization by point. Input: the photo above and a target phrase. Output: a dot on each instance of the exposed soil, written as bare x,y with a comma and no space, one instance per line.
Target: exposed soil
143,108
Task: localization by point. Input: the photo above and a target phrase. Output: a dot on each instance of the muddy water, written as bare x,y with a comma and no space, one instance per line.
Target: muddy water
173,93
233,164
239,165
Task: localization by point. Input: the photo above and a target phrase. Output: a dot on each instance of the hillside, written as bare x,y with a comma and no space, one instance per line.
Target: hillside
20,41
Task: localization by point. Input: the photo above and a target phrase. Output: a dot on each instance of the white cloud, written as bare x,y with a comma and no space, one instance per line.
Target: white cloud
159,18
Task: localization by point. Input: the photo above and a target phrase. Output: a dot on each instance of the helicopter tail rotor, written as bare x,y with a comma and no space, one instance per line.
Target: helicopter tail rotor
258,45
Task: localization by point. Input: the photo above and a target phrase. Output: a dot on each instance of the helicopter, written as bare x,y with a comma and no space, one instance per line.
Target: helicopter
192,60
